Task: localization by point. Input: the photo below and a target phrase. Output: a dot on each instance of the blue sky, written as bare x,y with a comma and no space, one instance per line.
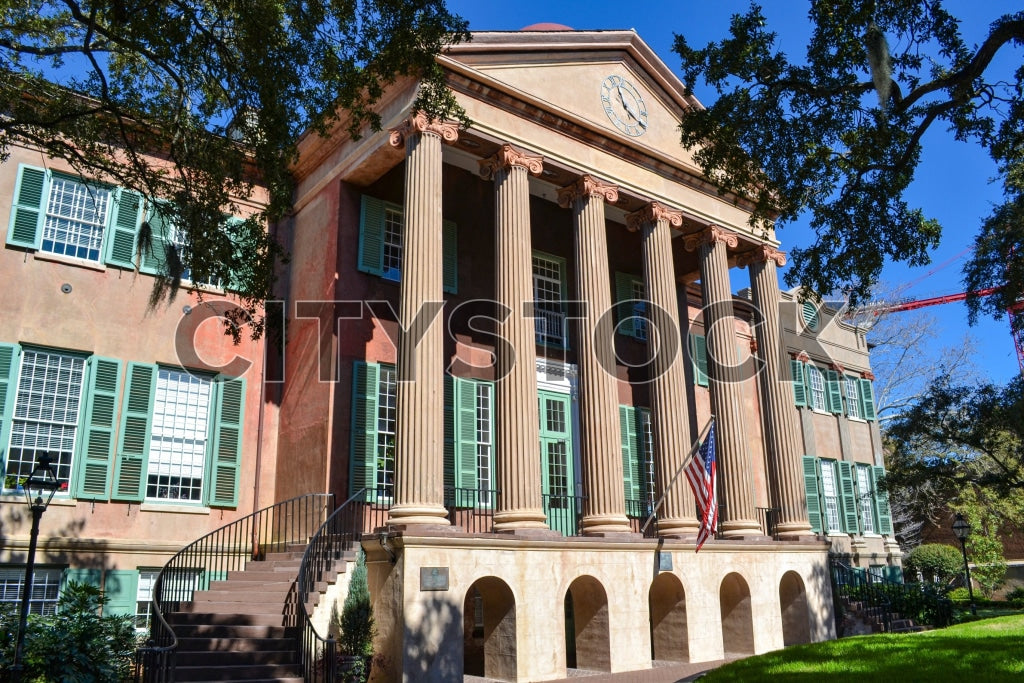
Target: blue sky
954,181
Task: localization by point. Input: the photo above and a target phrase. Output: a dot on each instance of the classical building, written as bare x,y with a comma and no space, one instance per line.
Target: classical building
504,340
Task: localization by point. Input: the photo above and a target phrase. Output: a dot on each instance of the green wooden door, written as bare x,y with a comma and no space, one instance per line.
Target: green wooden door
560,503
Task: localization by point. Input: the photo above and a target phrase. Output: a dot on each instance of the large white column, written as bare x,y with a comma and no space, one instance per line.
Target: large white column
736,478
604,510
515,391
670,417
419,441
779,419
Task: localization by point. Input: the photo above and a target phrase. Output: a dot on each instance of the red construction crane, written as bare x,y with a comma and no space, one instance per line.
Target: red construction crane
876,309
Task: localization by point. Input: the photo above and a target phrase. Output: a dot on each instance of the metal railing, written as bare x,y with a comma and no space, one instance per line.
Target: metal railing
210,558
316,653
768,518
471,509
637,512
564,513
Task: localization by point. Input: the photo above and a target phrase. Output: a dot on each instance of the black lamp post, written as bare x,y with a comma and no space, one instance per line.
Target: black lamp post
39,490
961,529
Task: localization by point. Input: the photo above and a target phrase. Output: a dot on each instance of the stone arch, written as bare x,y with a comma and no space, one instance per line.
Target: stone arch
489,630
588,644
666,602
796,622
737,616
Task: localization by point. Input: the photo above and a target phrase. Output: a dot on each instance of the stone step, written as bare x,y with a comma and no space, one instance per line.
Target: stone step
216,618
234,642
235,631
236,658
243,672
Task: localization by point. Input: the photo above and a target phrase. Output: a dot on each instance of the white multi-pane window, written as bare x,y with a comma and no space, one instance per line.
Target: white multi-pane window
852,396
547,295
45,414
177,236
483,442
387,421
144,598
75,216
45,588
830,494
650,492
177,448
817,382
639,311
864,488
392,244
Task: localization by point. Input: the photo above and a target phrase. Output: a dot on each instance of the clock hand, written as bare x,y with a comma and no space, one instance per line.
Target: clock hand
629,109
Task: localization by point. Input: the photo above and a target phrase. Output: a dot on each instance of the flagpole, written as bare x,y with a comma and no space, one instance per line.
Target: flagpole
686,460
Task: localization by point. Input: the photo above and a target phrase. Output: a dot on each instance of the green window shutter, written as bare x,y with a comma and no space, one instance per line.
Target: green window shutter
371,236
811,489
835,391
92,481
121,586
10,359
465,422
894,574
882,512
363,463
30,193
90,577
449,432
628,434
624,292
867,399
154,256
799,387
450,250
848,499
136,429
124,229
225,454
810,312
699,356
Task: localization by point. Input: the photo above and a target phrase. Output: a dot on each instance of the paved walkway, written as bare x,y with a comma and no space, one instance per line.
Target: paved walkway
662,672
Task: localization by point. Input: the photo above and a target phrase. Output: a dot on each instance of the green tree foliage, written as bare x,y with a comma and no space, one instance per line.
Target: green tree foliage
937,562
75,644
984,546
355,627
839,134
220,91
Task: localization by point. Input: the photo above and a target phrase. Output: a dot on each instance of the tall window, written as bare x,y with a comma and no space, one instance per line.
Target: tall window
852,396
177,234
144,598
45,414
75,216
866,495
45,588
639,310
387,420
648,435
177,448
817,380
830,493
483,442
547,293
392,244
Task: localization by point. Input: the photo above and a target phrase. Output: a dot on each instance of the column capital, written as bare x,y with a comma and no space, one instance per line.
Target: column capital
762,253
712,234
419,123
587,186
508,156
652,213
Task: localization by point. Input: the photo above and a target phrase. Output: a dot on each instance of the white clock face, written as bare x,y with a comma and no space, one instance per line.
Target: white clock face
624,106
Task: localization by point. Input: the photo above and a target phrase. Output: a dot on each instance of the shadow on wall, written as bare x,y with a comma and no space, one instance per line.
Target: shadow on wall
822,621
433,650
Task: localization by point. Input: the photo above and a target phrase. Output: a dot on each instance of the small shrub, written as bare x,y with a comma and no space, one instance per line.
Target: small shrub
959,595
1016,597
937,563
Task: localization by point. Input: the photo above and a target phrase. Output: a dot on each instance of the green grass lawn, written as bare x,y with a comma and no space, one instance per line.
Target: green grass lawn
986,650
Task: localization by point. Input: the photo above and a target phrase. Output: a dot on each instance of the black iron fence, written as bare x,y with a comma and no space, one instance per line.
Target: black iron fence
768,518
471,509
638,512
563,513
211,557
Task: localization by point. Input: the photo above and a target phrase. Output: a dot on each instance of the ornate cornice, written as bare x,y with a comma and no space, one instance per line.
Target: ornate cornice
419,123
867,374
762,253
711,235
587,186
508,156
652,213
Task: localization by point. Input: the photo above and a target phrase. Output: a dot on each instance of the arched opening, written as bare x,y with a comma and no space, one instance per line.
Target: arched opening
586,626
796,623
667,605
489,630
737,616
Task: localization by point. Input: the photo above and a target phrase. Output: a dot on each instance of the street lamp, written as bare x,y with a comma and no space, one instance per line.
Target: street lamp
961,529
39,490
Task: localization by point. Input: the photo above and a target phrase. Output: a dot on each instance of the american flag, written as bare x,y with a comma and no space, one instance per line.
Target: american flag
700,472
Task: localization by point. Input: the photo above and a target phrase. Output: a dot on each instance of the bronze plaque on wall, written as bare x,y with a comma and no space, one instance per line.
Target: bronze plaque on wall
433,578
